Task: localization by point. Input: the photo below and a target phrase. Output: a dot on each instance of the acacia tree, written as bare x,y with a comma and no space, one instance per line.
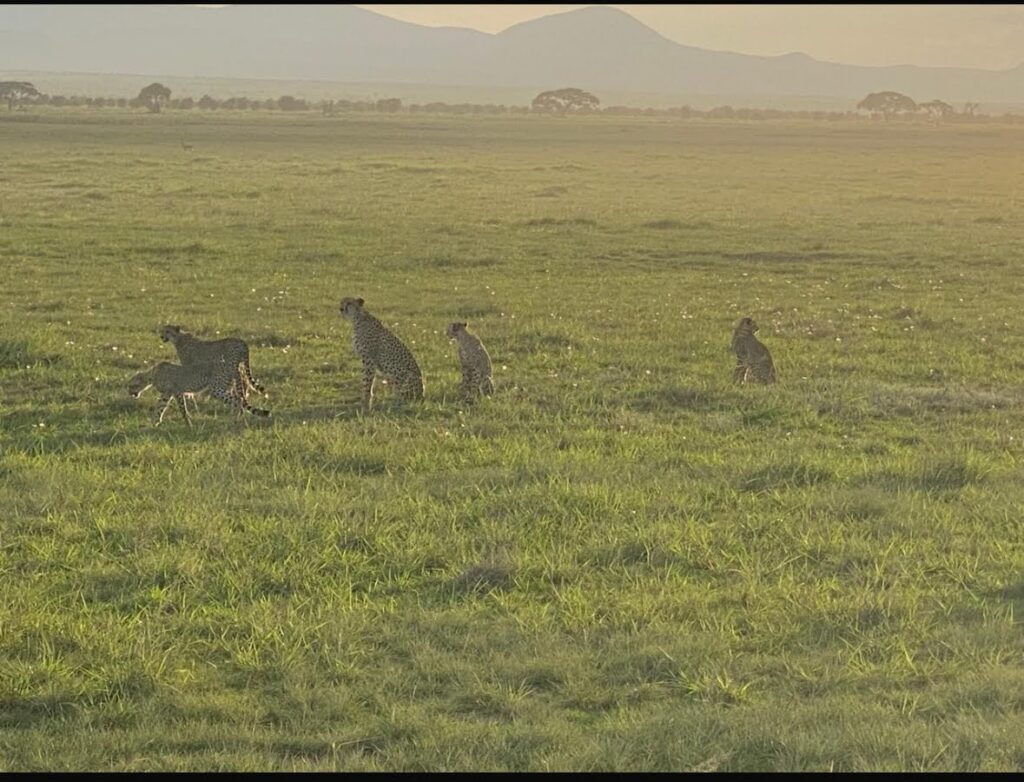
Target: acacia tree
565,101
887,103
15,91
153,96
937,109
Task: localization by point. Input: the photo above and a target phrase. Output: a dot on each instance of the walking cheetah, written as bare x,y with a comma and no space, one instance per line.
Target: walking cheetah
174,381
753,361
476,364
381,351
233,351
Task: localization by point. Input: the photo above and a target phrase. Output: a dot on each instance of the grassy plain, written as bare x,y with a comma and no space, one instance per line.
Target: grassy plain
619,562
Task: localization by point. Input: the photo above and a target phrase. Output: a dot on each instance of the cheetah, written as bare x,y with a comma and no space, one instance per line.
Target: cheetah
233,351
753,361
175,381
381,351
476,364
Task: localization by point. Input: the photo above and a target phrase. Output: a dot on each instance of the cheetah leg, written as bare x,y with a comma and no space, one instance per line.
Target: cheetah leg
739,374
166,402
234,399
368,378
413,387
239,383
184,408
253,383
244,404
487,386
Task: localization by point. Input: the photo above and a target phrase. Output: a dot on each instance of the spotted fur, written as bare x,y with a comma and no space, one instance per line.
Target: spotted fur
477,376
381,352
231,350
174,381
753,361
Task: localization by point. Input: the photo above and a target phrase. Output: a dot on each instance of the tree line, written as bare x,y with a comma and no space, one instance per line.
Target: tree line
567,101
889,104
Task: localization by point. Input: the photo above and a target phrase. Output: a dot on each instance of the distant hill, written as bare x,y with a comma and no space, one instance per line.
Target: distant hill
596,48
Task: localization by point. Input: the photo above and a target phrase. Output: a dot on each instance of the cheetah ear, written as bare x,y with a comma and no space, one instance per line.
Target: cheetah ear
359,302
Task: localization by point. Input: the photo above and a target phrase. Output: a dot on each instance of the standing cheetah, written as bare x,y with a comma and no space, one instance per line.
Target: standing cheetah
476,364
753,361
232,351
381,351
174,381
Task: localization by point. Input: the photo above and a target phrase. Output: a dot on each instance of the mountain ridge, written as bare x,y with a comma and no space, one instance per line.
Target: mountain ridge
595,48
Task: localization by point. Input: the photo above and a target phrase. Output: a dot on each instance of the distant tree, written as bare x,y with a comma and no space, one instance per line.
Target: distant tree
937,109
206,103
16,91
289,103
389,105
970,108
153,96
568,100
235,103
887,103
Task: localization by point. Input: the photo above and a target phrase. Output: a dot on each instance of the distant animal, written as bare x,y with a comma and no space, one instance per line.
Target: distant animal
175,381
186,147
753,361
381,352
473,359
231,350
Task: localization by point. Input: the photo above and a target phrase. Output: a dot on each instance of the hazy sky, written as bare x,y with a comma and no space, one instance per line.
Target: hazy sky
975,36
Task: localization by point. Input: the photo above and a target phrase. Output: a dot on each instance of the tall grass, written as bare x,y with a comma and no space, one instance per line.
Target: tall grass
621,561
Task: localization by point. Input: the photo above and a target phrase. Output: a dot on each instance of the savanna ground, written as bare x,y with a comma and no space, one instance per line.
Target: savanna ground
619,562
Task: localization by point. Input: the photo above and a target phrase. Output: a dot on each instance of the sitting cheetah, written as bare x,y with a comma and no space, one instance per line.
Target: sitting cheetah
233,351
381,351
174,381
753,361
476,364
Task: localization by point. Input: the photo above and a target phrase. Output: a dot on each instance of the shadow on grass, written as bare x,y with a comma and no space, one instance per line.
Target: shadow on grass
1014,595
938,475
894,401
631,553
793,475
116,423
351,465
27,713
674,398
18,354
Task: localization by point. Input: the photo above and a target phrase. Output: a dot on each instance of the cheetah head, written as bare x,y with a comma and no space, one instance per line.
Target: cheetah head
349,306
747,324
139,383
453,329
170,333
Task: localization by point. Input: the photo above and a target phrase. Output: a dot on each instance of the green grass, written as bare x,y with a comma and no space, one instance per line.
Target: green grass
621,561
